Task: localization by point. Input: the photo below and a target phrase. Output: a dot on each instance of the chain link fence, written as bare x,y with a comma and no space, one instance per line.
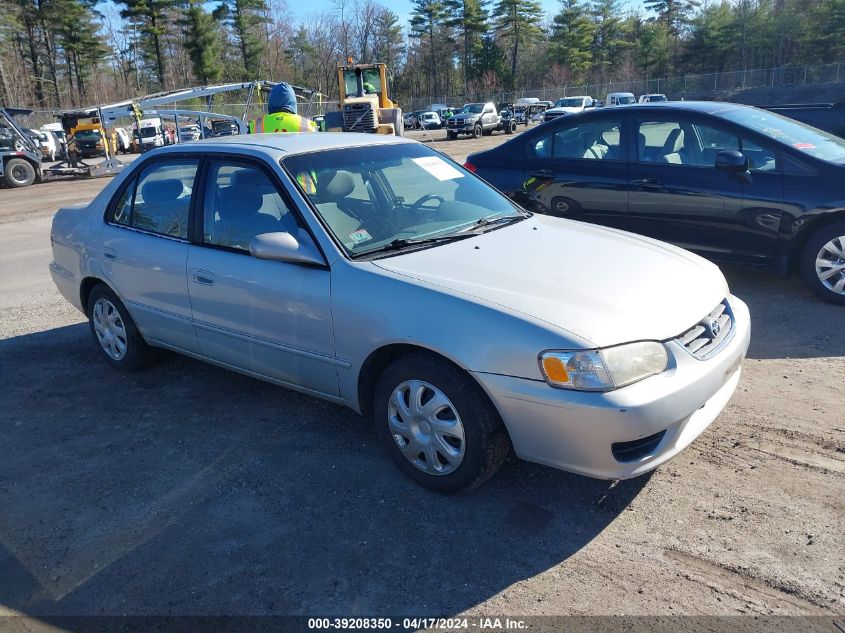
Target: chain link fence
673,87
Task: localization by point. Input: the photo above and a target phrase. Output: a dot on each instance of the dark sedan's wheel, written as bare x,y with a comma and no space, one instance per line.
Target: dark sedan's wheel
116,332
19,173
438,425
823,262
477,131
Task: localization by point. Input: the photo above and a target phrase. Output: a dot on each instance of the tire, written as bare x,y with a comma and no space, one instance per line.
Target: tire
477,131
466,408
19,173
451,135
826,245
120,342
508,129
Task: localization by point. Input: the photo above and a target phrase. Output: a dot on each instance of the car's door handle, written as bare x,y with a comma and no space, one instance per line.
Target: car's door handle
204,277
110,253
648,183
543,173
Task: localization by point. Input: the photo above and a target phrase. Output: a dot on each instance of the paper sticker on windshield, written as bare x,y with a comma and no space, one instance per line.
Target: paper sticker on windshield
438,167
360,236
803,146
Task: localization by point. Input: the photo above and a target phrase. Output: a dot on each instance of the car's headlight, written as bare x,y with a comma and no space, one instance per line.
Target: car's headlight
604,369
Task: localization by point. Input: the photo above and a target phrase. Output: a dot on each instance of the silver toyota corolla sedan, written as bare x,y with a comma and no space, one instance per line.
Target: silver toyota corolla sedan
373,272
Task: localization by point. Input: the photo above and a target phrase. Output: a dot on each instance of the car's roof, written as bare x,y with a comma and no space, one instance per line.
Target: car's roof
708,107
294,143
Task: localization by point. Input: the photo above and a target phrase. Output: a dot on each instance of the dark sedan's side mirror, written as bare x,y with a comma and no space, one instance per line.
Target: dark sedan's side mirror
284,247
731,160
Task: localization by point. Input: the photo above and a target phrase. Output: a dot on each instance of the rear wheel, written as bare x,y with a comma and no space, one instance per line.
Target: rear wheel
115,332
19,173
823,262
438,425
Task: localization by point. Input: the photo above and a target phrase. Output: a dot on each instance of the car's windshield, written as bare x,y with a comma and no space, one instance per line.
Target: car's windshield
802,137
473,108
378,195
569,103
88,135
147,132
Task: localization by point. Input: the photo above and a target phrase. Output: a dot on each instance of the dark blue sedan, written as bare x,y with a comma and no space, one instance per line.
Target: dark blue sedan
730,182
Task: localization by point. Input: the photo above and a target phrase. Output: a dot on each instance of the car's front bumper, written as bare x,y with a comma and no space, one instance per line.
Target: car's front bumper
576,430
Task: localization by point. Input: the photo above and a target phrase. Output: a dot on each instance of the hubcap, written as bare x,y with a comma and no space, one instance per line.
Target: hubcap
830,265
20,173
109,328
426,427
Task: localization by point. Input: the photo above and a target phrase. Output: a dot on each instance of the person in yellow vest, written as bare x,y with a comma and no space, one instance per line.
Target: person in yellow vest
282,116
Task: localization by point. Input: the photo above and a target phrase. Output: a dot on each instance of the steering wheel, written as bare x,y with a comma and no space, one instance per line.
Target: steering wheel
423,199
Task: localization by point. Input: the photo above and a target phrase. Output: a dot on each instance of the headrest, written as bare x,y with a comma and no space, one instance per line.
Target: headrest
674,142
237,201
250,177
159,191
332,187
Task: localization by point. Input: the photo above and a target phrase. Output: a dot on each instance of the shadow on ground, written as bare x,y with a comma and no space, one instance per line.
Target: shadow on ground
187,489
787,320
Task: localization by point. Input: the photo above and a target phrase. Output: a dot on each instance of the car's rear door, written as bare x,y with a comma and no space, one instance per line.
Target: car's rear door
678,195
145,249
270,318
577,168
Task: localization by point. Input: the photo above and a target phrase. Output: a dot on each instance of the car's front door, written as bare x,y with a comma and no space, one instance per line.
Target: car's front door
678,195
270,318
578,170
145,250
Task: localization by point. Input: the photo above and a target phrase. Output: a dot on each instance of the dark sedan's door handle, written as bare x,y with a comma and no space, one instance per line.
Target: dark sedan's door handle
204,277
547,174
649,183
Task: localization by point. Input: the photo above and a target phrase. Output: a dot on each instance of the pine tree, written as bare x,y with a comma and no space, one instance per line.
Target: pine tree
469,19
427,17
150,19
245,19
571,37
516,21
202,43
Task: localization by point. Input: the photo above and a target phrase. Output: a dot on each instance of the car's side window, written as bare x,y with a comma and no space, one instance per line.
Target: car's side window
599,140
159,199
241,202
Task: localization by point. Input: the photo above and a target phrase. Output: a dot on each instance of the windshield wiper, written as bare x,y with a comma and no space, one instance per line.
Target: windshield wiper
403,243
490,220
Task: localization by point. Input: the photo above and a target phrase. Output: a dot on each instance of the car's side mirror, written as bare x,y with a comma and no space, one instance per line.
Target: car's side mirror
284,247
732,161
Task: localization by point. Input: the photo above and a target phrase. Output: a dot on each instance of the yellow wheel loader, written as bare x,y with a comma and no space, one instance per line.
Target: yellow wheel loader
363,104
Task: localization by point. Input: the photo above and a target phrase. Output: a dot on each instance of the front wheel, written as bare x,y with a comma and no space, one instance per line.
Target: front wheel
115,332
477,131
438,425
823,262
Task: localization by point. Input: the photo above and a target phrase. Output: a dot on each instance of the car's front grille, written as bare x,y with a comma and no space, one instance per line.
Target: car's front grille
359,117
706,337
454,122
636,450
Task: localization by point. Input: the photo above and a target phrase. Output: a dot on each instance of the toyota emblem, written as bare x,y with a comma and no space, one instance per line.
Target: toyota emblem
714,328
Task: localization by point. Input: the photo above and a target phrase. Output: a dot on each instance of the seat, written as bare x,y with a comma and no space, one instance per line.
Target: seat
641,147
332,190
162,209
273,203
239,217
673,148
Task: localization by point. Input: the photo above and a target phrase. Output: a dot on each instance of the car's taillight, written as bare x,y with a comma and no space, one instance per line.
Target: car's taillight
470,167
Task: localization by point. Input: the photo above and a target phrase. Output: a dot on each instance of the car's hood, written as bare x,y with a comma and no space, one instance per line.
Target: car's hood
605,286
565,109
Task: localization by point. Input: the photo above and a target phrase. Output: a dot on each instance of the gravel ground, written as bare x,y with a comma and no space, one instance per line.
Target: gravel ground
187,489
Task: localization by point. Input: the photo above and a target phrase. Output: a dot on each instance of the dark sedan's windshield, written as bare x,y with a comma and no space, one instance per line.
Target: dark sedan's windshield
395,194
805,138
